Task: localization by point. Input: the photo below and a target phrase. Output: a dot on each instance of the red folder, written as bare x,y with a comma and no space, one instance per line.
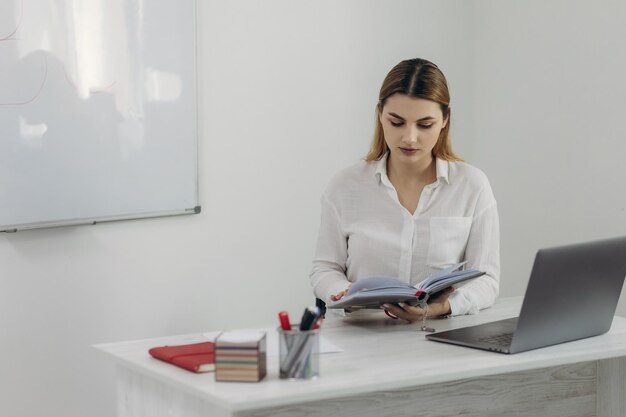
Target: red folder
196,357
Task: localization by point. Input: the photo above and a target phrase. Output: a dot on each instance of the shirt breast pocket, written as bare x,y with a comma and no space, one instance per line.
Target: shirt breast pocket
448,239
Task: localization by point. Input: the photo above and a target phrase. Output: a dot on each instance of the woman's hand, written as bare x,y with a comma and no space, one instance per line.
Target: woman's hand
438,306
340,295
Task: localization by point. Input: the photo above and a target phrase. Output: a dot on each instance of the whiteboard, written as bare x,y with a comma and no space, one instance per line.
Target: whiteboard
97,111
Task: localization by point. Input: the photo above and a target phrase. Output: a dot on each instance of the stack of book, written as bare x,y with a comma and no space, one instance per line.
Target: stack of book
240,356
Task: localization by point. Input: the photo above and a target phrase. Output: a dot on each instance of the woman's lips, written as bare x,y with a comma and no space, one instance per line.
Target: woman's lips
408,151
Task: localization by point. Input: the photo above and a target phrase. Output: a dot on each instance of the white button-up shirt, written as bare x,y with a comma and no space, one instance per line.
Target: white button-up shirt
365,232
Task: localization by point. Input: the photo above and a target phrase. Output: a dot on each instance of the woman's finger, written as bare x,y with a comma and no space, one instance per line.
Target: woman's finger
396,310
338,296
404,311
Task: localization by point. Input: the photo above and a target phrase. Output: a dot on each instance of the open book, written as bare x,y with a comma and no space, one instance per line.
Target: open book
373,292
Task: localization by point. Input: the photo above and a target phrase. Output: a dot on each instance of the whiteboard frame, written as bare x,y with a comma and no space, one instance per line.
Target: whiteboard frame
13,228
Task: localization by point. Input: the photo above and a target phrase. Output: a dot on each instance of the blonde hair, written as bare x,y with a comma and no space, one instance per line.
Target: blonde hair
417,78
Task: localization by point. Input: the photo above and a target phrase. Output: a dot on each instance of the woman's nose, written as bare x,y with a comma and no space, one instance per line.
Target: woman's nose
410,134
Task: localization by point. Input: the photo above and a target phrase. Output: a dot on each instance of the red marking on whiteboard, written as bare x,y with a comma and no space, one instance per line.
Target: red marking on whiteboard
9,37
105,89
92,91
33,98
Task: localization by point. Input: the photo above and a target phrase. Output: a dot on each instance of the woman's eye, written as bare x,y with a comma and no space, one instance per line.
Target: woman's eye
420,125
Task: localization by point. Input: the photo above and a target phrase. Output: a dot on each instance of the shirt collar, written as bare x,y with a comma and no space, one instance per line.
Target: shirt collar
381,170
442,167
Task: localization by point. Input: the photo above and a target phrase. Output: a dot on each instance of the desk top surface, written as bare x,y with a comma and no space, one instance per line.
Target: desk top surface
378,354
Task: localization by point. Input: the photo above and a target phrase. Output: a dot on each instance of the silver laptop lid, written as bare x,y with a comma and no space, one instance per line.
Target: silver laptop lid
572,293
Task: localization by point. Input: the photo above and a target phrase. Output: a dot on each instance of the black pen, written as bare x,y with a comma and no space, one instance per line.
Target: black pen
310,316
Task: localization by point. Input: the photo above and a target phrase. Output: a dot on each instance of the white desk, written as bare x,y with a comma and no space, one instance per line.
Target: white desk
388,368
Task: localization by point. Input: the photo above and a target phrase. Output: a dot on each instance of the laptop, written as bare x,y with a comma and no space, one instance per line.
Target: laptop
572,294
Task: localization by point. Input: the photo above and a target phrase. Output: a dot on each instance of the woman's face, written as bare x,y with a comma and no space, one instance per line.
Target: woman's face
411,127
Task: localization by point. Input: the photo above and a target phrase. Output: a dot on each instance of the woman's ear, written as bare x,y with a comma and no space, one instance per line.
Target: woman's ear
446,119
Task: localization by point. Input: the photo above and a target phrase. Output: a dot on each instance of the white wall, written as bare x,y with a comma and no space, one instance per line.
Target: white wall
286,97
548,127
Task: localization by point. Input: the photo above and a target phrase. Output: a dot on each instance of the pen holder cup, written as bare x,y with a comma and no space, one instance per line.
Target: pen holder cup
299,353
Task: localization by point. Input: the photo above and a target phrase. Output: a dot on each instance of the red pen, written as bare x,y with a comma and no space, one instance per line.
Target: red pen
318,323
284,320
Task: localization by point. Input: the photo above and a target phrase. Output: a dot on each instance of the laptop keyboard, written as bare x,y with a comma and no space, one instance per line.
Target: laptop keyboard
502,339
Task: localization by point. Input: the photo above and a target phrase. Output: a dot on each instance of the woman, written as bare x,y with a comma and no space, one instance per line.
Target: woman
412,206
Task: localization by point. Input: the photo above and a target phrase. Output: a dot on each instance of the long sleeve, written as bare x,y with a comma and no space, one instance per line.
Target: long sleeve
328,275
483,253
